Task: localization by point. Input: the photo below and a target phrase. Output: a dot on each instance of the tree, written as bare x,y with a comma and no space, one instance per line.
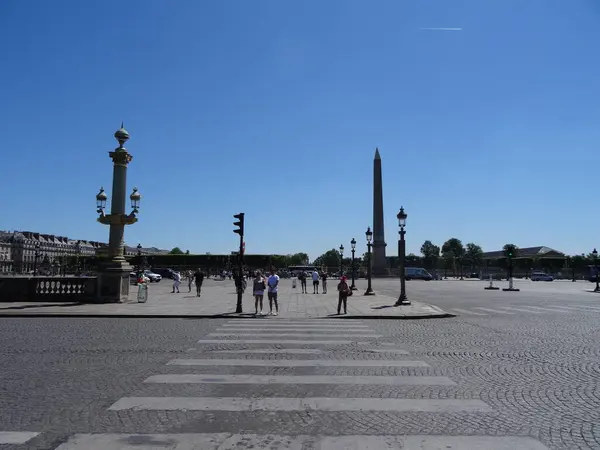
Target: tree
473,255
431,254
176,251
510,251
297,259
452,250
187,252
330,259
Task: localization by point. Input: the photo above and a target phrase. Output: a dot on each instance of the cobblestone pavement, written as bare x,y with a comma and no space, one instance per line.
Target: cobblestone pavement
497,382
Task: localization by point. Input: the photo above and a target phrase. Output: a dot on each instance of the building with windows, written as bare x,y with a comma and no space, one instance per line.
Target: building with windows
23,251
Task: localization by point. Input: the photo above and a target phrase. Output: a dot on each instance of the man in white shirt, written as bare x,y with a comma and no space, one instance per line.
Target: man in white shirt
315,278
176,282
273,283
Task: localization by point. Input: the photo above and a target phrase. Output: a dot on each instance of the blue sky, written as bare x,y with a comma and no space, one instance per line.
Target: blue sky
490,134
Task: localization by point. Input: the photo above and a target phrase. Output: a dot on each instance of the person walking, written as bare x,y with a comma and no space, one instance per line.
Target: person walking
258,291
324,278
315,279
273,283
190,279
176,282
302,278
199,277
343,292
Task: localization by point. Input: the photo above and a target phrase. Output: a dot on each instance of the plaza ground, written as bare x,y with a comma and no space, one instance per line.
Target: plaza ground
520,374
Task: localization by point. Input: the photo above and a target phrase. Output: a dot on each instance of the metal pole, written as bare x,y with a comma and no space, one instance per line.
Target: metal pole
353,287
238,307
401,252
369,290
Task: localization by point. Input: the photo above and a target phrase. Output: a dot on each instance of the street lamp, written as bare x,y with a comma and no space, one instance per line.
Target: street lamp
341,260
36,257
402,300
114,275
595,253
369,236
353,247
139,255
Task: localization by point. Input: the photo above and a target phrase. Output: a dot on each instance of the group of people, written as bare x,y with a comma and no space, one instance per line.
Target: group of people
271,284
196,277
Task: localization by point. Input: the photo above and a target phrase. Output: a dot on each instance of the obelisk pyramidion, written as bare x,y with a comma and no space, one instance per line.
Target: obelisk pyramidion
379,263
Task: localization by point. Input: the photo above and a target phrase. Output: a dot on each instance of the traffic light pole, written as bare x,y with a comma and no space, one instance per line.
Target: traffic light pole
240,276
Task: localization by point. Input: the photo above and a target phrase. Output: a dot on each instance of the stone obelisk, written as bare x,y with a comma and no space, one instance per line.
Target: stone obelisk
379,263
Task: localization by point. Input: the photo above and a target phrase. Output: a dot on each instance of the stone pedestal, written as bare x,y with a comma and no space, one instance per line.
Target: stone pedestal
113,282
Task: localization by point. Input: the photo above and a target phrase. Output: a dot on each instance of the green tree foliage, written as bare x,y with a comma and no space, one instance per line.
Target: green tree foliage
431,254
176,251
510,251
331,258
473,255
452,250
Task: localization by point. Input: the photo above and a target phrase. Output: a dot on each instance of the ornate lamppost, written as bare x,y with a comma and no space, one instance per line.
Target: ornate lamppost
402,300
341,260
113,279
595,253
369,235
36,257
353,247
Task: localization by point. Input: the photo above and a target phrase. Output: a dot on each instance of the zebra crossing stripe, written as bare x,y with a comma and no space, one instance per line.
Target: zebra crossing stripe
269,324
283,342
290,351
296,363
16,437
493,310
214,441
190,378
545,309
292,335
464,311
328,404
295,329
512,308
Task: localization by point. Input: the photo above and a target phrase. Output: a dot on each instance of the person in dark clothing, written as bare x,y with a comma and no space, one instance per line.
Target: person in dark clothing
344,291
302,278
199,277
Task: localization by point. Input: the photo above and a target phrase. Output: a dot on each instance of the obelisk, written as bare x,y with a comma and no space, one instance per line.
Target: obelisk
379,263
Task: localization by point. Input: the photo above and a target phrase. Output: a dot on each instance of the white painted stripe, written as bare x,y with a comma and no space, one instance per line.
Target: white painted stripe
190,378
280,321
270,324
295,329
544,309
292,335
214,441
291,351
387,350
573,308
386,344
464,311
299,404
592,308
296,363
520,310
16,437
493,310
281,341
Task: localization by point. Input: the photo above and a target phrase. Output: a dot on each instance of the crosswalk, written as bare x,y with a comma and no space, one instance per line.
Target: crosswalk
520,309
257,361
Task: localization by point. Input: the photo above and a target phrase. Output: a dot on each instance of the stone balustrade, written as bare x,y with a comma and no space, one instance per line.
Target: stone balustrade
48,289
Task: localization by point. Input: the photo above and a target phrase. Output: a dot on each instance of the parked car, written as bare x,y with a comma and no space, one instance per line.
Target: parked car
165,273
154,277
417,273
133,278
541,276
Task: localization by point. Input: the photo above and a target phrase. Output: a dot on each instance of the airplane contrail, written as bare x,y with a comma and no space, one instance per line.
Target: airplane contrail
441,29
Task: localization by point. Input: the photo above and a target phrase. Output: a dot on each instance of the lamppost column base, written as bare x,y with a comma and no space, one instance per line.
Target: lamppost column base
113,282
354,288
369,292
402,301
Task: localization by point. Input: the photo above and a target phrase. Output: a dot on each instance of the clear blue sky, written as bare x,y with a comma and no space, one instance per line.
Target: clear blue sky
490,134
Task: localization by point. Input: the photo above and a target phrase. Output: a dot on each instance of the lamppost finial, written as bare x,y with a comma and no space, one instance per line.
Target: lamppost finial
121,135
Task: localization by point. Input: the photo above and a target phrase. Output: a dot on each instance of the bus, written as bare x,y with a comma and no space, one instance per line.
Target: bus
295,270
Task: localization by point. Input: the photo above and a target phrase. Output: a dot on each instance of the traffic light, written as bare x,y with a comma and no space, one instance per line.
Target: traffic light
510,254
239,223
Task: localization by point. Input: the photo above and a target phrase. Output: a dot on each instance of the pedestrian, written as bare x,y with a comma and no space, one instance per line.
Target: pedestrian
315,279
176,282
199,277
302,278
343,292
324,278
258,291
190,278
273,283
